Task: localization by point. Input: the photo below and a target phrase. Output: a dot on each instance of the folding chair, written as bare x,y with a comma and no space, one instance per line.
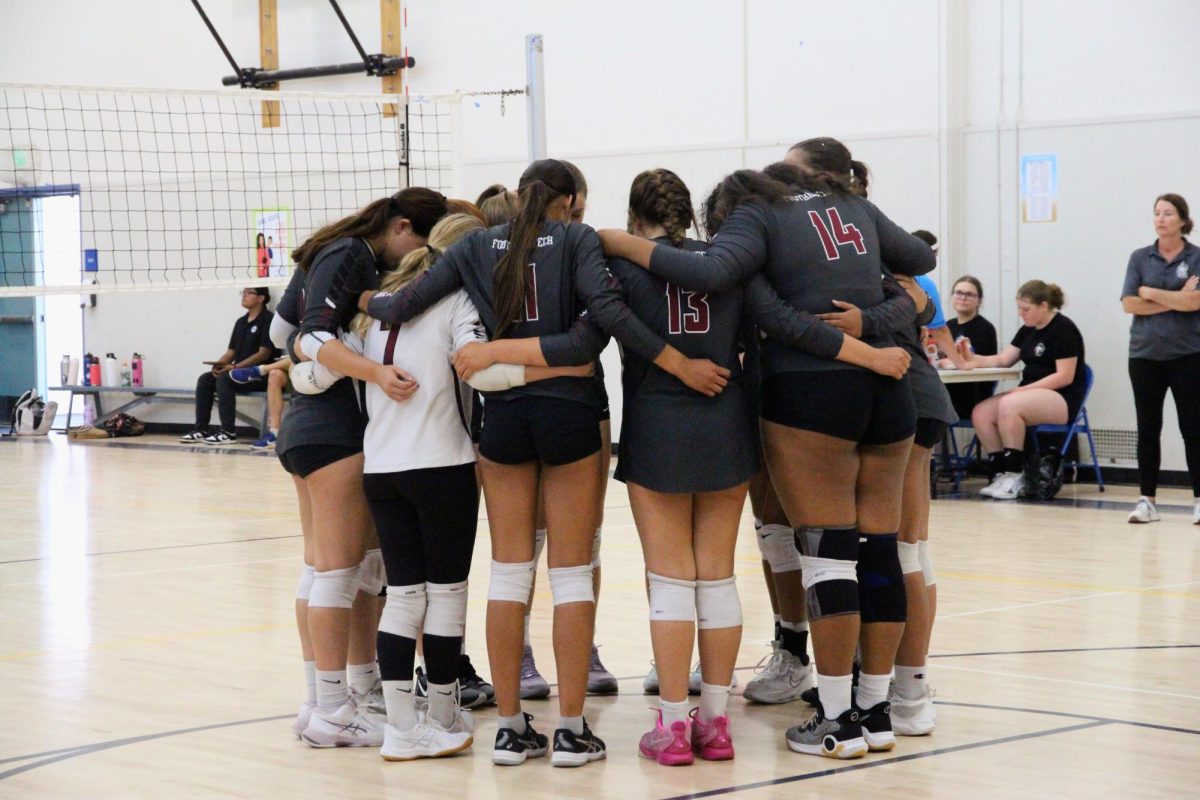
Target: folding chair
956,462
1078,425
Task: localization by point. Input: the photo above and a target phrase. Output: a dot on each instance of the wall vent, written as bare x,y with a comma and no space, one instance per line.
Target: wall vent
1114,444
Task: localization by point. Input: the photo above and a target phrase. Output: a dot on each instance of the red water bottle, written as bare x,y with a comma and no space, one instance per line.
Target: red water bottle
94,372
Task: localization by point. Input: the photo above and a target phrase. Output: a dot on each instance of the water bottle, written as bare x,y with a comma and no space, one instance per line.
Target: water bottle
73,372
64,370
112,373
137,369
126,374
93,371
931,352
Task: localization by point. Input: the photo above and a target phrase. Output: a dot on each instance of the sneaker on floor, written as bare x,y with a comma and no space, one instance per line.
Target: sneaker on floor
997,482
670,746
1012,488
302,717
221,437
428,739
912,717
575,751
371,703
877,727
475,692
831,738
650,682
782,680
600,680
245,374
1144,511
193,437
533,685
513,748
711,740
345,726
267,442
695,678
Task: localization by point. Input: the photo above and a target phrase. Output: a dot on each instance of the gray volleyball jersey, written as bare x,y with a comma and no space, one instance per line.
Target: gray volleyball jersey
814,248
568,270
1172,334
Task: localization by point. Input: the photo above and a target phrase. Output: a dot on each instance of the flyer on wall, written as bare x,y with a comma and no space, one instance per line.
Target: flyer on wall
271,242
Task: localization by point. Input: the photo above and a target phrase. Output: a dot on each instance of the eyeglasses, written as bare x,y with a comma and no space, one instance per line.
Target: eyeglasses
966,295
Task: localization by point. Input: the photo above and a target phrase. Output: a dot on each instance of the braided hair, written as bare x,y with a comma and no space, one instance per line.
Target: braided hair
660,197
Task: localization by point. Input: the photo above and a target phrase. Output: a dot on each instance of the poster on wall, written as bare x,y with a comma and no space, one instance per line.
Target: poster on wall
1039,188
271,242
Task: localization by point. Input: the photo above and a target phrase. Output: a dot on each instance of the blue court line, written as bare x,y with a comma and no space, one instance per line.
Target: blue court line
162,547
1067,650
1062,502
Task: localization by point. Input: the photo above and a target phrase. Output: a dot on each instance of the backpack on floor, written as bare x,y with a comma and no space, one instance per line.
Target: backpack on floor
1043,475
33,416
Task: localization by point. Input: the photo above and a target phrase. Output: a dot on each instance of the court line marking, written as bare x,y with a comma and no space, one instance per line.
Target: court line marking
159,571
160,547
1066,502
1068,650
1046,679
1068,599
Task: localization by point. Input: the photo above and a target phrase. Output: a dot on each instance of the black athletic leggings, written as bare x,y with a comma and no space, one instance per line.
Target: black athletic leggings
426,521
1151,379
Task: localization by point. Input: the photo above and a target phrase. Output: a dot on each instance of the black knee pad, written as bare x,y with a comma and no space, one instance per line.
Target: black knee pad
880,580
827,557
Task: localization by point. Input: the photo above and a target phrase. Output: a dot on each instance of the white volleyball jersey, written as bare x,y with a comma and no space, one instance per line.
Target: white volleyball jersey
429,429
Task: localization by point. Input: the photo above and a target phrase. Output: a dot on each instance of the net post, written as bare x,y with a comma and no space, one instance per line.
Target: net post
268,43
390,45
535,88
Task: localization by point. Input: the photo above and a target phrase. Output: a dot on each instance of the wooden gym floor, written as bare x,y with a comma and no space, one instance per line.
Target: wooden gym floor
147,649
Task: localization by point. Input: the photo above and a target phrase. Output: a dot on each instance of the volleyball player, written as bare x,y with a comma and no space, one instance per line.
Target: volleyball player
526,280
836,437
320,440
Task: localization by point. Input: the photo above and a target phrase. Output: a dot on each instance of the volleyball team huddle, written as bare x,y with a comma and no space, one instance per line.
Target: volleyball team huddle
763,362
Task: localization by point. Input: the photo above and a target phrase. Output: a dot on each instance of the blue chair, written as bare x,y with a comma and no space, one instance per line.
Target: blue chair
1078,425
954,461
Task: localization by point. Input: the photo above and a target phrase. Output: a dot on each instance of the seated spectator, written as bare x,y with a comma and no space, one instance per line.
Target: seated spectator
276,375
967,298
249,345
1052,387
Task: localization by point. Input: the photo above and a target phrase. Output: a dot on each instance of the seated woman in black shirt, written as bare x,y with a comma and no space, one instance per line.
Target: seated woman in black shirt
968,297
1052,385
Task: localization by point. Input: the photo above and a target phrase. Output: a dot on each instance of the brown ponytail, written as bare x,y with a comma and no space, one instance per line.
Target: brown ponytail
542,183
660,197
1038,292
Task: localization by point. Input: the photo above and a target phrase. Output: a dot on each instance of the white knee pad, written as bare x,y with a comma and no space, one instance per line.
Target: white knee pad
596,548
819,570
446,614
671,599
310,377
304,588
539,544
910,560
404,612
572,584
717,604
511,582
372,577
778,543
334,588
926,562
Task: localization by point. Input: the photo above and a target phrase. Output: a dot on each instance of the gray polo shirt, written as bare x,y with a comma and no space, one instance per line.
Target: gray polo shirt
1172,334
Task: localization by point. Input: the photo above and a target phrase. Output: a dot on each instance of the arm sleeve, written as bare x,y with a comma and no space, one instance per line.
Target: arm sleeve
896,311
281,329
438,281
737,253
596,286
1133,278
784,322
904,253
334,282
938,320
498,378
290,307
465,327
581,344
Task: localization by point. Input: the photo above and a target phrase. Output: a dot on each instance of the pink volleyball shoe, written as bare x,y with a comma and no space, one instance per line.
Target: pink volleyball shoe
711,740
671,747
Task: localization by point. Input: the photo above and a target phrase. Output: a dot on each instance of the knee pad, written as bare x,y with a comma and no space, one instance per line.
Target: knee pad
304,588
372,577
827,558
779,547
539,544
572,585
311,343
446,614
910,558
404,612
881,594
926,562
717,604
512,582
596,548
334,588
671,599
310,377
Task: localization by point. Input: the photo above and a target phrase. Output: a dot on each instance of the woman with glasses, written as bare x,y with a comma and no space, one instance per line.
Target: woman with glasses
969,323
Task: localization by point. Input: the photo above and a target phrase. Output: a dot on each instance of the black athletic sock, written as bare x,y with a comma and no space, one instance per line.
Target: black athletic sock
995,465
796,643
1014,460
778,631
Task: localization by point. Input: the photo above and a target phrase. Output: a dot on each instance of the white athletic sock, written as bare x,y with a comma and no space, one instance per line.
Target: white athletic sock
310,681
910,682
673,712
516,723
573,724
527,630
442,702
332,689
795,627
362,676
713,701
872,689
835,694
401,710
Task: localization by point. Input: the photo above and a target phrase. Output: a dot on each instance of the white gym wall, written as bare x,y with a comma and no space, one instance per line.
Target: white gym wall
939,97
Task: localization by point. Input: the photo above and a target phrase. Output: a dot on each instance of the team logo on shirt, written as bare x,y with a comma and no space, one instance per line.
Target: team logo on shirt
1181,271
254,329
1040,349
